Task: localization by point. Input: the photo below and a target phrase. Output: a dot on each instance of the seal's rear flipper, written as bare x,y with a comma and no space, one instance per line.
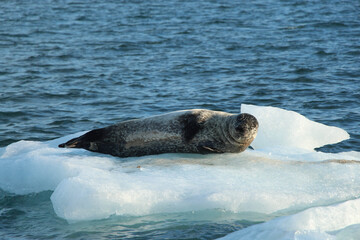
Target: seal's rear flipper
85,140
73,143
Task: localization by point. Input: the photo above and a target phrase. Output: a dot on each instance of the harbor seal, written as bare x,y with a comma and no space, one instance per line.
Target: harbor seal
187,131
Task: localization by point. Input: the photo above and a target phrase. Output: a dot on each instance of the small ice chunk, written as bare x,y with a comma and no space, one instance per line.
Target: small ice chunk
312,224
283,128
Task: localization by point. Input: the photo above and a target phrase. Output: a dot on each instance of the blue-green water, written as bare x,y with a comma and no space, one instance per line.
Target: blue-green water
69,66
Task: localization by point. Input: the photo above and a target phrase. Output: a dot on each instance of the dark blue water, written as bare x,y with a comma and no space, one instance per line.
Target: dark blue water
68,66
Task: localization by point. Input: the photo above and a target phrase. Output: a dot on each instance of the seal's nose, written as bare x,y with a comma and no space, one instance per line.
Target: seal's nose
240,129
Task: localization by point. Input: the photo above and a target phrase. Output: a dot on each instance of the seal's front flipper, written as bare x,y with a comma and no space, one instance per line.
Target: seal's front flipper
208,147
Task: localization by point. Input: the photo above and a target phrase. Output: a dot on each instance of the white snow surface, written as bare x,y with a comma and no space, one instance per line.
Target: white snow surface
297,192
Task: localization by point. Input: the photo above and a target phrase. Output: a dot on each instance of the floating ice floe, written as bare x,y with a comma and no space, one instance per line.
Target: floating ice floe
299,185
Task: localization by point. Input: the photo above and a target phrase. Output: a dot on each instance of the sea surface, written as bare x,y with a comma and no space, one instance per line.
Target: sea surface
72,66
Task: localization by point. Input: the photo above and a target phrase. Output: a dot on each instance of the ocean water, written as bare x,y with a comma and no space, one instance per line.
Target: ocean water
72,66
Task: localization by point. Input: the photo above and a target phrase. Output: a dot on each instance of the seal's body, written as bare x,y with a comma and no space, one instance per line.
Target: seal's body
188,131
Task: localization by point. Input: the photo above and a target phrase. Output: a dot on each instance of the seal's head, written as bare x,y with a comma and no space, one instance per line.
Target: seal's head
243,129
